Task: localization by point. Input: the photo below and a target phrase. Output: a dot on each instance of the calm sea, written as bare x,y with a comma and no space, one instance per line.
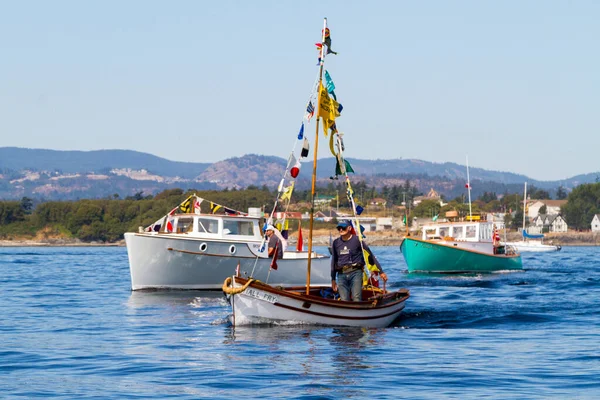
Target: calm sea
71,328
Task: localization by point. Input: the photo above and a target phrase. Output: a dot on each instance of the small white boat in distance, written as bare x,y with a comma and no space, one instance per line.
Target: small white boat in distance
199,251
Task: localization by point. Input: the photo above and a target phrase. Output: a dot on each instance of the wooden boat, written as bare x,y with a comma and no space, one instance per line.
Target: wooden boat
254,302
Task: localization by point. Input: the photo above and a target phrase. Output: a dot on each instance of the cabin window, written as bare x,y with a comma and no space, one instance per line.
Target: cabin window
458,232
245,228
206,225
429,233
471,232
184,225
444,231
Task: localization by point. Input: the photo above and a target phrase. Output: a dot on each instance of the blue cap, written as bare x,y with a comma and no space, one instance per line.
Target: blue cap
343,224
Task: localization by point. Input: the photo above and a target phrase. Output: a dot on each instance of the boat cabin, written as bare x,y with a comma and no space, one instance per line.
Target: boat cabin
213,226
468,231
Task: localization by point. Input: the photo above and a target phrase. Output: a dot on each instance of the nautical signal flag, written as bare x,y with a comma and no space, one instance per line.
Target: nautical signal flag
186,205
214,207
305,148
301,133
310,111
468,185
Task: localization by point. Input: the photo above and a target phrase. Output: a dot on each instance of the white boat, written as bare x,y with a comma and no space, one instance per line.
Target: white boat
254,302
199,251
258,303
531,243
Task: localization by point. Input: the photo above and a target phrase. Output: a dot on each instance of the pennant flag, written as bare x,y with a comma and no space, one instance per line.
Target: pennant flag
287,192
338,170
274,260
169,226
186,205
229,211
330,85
300,245
301,133
328,41
305,148
435,217
310,111
359,210
468,185
404,219
214,207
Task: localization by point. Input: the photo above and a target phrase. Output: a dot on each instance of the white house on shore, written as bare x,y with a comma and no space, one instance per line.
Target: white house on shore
596,223
549,223
552,207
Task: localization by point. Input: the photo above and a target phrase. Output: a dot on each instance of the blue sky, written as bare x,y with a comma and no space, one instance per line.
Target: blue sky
513,85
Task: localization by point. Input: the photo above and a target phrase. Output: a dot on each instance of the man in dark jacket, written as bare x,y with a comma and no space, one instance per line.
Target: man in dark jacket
347,262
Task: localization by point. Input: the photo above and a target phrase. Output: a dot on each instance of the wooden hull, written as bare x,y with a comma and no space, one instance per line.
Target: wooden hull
449,257
259,303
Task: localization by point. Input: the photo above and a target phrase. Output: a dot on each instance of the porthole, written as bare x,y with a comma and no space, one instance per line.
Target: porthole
203,247
232,249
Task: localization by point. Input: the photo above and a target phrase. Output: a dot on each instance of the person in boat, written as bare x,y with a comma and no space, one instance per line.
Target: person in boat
274,243
347,262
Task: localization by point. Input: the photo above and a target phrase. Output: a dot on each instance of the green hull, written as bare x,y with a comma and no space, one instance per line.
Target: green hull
427,256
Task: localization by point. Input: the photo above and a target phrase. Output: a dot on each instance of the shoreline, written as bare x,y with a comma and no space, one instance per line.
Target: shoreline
321,238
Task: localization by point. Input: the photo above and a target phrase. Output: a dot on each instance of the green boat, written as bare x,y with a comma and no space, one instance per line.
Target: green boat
459,247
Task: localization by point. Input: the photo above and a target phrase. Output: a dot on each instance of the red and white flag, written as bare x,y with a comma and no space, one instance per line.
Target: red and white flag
300,245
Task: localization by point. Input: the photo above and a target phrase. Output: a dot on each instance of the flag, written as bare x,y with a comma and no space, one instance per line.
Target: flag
287,192
285,229
338,170
301,133
295,170
359,210
404,219
197,209
214,207
305,148
186,205
310,111
300,245
274,260
330,86
169,226
468,185
435,217
327,107
229,211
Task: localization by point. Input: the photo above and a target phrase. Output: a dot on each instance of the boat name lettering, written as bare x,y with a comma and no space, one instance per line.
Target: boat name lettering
261,295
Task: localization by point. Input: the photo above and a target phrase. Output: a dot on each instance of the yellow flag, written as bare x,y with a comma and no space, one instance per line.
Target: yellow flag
324,103
287,192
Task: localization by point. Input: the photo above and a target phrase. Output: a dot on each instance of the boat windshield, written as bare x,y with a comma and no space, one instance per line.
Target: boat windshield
184,225
206,225
233,227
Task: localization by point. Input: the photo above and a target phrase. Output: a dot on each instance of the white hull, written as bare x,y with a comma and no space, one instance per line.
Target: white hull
533,247
264,304
176,261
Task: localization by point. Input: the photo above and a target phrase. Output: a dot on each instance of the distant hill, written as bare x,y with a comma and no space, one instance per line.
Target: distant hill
60,175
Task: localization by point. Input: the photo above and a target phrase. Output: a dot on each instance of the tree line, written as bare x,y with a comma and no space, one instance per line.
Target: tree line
108,219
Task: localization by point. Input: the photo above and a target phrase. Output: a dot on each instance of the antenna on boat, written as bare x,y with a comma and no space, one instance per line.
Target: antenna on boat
314,174
469,190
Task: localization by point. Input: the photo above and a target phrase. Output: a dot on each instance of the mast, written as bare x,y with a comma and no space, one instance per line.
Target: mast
314,174
469,190
524,208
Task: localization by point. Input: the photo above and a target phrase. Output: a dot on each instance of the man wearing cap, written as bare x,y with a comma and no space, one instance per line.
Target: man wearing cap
347,262
274,242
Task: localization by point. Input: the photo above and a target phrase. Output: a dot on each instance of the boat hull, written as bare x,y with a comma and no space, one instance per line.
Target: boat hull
177,262
429,256
264,304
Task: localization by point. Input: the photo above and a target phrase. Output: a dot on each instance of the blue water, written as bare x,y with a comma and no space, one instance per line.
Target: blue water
71,328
